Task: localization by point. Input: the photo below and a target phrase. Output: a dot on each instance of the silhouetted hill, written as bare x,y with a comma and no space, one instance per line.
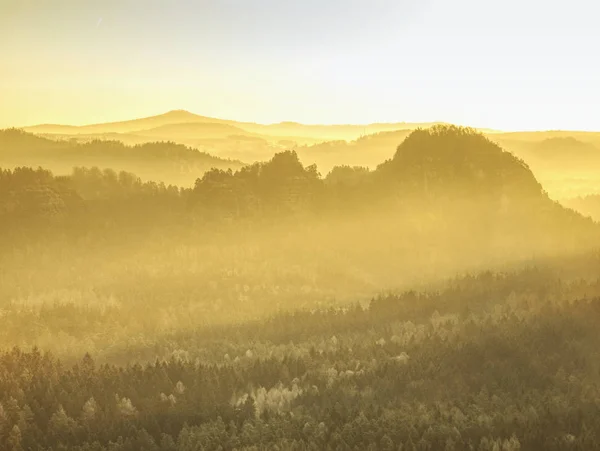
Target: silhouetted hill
445,161
466,181
444,185
566,165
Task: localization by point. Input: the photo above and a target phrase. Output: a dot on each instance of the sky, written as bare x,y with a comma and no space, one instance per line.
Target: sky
511,64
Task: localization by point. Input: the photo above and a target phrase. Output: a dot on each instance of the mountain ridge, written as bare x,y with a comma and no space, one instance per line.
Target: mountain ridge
328,131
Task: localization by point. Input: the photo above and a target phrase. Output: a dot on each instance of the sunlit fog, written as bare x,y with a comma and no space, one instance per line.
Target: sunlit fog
273,225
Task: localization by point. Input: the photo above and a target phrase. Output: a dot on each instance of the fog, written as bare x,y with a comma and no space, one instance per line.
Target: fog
155,296
98,261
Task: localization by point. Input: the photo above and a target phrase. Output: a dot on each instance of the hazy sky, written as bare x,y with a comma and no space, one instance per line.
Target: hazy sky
511,64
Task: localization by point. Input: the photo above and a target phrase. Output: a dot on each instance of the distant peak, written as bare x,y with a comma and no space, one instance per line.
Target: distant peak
179,113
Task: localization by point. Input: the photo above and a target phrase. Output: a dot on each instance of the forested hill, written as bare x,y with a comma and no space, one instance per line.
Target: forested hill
441,179
432,168
443,182
455,161
165,161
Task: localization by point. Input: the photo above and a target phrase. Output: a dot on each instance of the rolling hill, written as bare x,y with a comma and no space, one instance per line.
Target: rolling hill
171,117
567,162
187,130
287,130
162,161
567,166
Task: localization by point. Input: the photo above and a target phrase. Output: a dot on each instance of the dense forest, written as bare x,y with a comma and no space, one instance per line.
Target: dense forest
496,361
440,300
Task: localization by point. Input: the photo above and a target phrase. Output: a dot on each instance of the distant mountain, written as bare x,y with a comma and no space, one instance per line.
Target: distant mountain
547,134
161,161
567,163
171,117
289,129
559,151
562,143
245,141
194,130
569,150
334,132
275,131
367,151
586,205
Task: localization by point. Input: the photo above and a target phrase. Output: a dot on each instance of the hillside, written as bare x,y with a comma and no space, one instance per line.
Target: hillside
463,178
459,162
490,361
162,161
